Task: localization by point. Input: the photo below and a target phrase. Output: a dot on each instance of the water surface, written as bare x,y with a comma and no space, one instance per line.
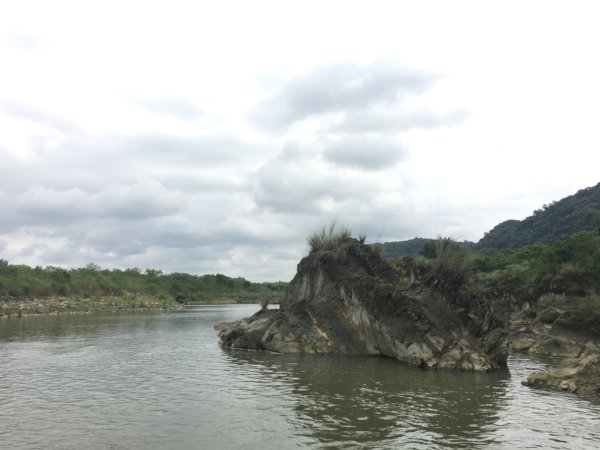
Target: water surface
158,380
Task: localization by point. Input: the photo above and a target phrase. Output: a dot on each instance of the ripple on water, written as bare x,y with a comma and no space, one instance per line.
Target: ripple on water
159,380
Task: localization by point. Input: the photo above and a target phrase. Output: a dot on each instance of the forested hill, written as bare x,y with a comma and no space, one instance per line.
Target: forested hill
414,247
578,212
411,247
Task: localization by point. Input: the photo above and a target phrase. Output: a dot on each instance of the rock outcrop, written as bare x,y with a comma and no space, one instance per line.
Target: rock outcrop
579,375
570,336
353,302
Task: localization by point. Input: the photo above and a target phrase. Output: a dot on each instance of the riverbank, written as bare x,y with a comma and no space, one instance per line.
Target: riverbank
56,305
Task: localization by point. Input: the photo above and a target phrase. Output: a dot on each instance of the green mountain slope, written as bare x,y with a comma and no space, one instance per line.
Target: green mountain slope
413,247
578,212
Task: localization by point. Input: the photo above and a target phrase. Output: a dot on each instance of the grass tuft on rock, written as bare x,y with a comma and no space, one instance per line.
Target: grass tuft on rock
329,238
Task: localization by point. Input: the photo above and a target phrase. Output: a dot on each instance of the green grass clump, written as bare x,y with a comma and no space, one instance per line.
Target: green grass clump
329,238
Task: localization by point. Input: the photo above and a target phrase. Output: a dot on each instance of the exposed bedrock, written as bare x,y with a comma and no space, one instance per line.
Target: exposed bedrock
580,375
358,304
571,337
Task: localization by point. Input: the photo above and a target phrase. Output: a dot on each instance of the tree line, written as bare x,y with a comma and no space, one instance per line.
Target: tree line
20,282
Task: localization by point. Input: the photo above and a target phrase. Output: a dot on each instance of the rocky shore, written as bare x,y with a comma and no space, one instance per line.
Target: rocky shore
353,302
56,305
572,337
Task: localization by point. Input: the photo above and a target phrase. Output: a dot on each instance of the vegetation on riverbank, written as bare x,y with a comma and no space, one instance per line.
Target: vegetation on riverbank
26,290
566,271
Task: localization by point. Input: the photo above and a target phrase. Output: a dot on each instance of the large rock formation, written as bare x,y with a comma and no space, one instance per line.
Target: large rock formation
355,303
570,336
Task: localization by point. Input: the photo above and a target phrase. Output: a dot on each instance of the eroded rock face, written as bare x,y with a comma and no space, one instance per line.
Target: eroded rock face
572,336
554,332
360,305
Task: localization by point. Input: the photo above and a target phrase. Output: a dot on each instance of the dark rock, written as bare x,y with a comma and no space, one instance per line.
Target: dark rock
580,375
557,347
356,303
554,332
571,336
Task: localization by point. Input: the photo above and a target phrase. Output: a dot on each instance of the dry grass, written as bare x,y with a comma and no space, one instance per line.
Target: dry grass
329,238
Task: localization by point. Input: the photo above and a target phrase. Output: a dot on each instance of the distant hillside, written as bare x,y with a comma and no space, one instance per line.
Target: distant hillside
578,212
412,247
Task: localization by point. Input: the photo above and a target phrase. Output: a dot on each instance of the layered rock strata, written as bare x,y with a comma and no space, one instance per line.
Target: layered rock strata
572,337
355,303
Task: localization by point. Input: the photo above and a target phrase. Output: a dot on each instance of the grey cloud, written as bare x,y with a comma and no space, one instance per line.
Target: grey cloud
208,163
25,112
178,237
201,151
253,230
31,250
132,202
336,88
295,188
386,120
124,238
207,181
68,255
124,247
139,201
172,106
300,182
115,239
367,153
180,248
49,206
292,151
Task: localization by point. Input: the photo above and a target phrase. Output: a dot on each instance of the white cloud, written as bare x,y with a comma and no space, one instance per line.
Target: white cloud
172,106
382,120
204,141
339,87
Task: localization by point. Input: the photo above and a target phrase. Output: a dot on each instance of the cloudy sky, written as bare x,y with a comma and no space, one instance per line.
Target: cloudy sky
210,137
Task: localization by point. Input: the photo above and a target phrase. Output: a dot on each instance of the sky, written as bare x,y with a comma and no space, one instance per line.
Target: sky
213,137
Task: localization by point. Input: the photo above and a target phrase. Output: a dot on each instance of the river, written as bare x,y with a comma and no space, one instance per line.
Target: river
159,380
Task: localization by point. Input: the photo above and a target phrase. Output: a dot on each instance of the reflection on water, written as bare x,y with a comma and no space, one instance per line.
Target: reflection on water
159,380
372,401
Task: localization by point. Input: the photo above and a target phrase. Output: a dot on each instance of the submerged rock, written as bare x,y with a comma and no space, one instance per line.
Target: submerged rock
356,303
